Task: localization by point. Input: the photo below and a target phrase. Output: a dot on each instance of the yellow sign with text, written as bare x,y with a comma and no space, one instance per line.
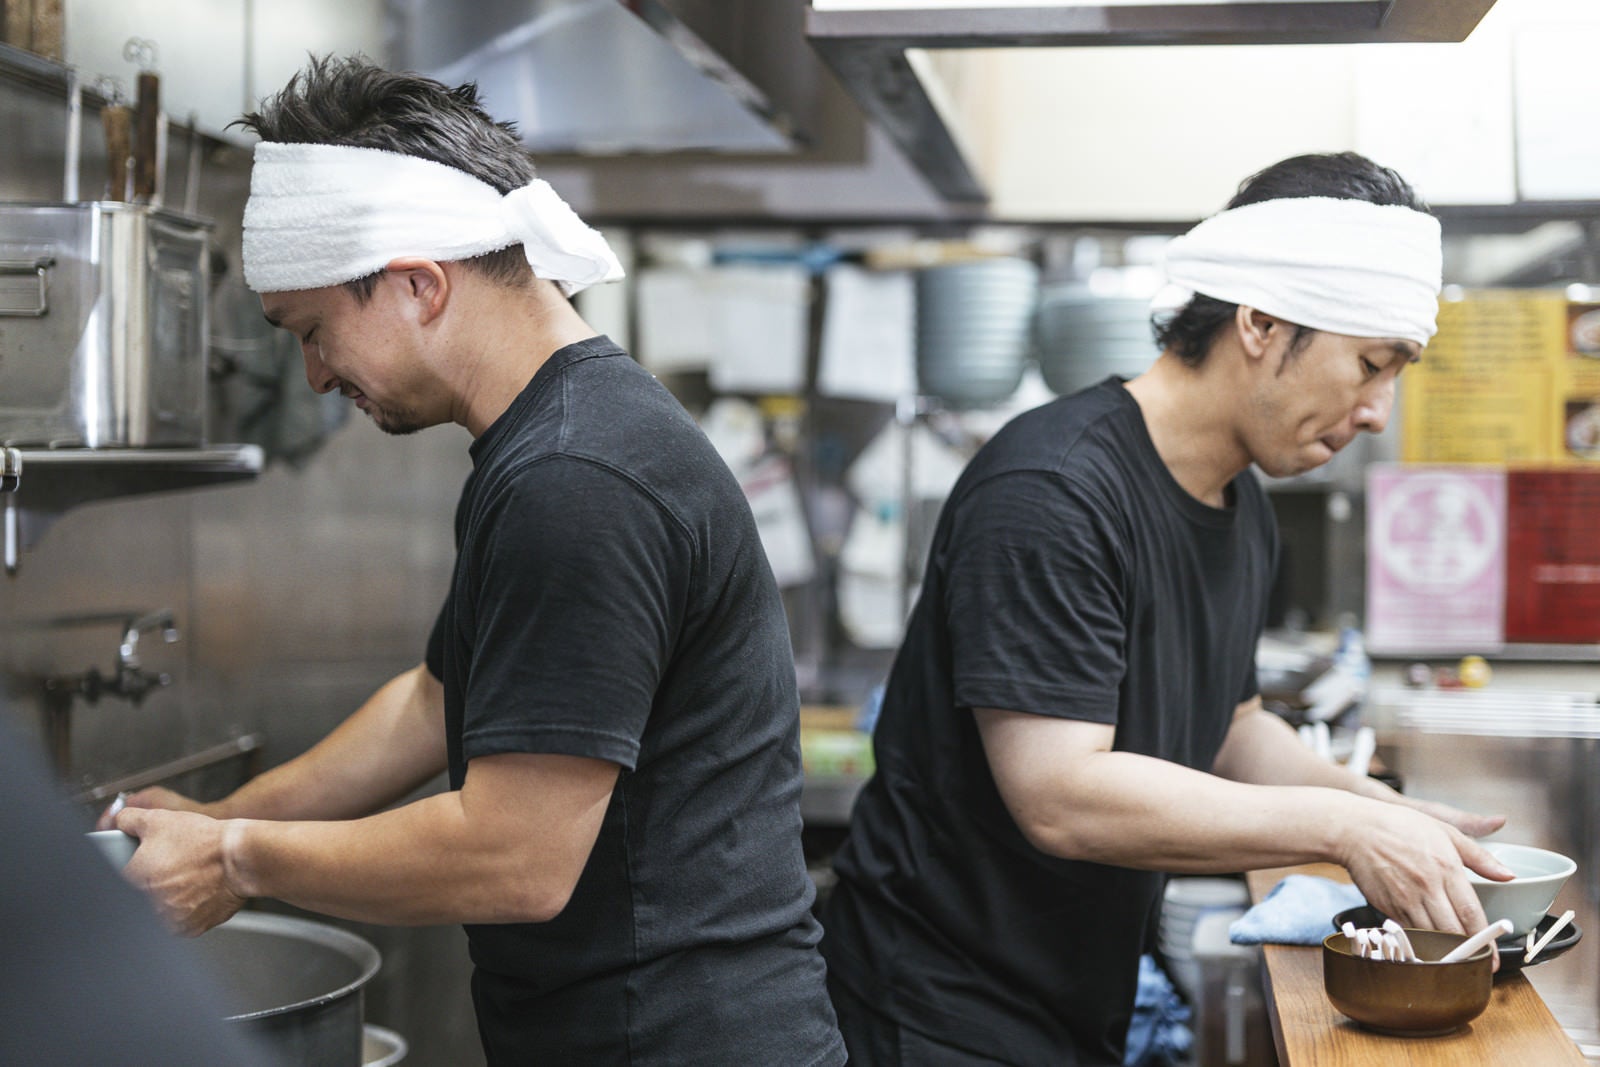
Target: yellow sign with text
1511,378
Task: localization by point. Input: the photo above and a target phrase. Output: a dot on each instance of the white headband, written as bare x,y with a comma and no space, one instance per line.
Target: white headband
1346,266
321,215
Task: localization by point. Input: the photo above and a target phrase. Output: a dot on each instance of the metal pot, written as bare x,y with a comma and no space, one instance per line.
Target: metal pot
103,326
296,985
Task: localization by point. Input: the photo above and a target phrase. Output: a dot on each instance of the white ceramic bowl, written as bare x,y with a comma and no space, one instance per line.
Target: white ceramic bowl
116,846
1524,900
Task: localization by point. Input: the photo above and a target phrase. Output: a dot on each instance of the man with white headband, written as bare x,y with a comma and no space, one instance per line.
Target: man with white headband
609,685
1074,710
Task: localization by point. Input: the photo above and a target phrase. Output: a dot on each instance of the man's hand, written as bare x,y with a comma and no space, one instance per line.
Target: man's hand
179,863
154,797
1413,867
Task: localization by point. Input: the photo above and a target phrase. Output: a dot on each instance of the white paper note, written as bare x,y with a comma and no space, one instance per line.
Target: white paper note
759,329
868,335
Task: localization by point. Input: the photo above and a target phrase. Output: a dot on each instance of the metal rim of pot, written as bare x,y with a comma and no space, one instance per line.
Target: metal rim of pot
367,957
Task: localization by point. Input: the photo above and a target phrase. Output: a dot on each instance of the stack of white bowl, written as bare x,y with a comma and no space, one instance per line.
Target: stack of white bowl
1186,901
1082,338
973,325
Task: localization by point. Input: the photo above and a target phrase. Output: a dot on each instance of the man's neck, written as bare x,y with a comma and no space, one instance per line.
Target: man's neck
507,335
1191,415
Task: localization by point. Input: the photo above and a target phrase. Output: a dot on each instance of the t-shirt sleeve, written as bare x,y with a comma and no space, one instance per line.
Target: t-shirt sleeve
1035,599
578,578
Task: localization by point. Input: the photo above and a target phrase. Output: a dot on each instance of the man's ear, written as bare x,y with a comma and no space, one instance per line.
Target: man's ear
1257,330
426,282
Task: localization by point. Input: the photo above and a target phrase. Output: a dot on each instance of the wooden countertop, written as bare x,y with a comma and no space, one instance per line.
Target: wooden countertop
1516,1027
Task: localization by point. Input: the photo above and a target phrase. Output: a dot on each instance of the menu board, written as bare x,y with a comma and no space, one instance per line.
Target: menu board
1483,392
1553,556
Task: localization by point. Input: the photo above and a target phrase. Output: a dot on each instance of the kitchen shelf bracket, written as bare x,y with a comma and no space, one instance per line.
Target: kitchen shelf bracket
38,485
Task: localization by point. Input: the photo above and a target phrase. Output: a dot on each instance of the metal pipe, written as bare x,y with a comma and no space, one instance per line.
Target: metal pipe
244,745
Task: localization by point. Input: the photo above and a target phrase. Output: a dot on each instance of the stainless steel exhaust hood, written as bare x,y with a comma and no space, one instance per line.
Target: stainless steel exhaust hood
876,47
624,76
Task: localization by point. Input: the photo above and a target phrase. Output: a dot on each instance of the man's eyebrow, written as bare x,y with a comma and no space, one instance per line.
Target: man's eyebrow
1406,350
275,320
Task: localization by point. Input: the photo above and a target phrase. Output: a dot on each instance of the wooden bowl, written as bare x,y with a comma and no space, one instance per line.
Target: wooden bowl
1409,999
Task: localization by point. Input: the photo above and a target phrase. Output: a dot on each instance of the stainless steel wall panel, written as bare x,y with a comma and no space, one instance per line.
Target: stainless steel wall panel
294,596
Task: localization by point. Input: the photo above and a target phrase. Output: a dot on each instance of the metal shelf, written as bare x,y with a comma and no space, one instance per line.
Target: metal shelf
47,482
1512,653
23,67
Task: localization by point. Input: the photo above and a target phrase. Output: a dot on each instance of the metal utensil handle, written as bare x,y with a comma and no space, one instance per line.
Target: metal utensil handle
35,267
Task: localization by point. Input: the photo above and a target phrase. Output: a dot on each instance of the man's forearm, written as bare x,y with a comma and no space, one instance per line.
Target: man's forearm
1136,811
414,865
507,847
391,744
1075,797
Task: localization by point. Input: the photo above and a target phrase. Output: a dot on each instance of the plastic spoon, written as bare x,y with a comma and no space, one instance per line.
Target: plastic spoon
1498,928
1399,934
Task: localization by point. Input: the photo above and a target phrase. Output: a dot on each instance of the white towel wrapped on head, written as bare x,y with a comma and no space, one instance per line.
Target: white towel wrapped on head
321,215
1345,266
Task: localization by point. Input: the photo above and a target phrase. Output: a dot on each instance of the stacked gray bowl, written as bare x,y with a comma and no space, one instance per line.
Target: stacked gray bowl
973,329
1082,338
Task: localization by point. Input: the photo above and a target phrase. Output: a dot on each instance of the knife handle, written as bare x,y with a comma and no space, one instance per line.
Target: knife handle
117,120
147,118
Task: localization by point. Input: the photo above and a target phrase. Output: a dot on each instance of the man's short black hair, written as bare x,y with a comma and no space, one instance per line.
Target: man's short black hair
350,101
1344,175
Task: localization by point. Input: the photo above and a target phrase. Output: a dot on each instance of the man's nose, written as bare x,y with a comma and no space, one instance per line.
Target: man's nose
1372,412
322,380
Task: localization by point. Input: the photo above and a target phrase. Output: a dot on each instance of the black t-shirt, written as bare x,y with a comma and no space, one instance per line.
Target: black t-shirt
1070,576
611,599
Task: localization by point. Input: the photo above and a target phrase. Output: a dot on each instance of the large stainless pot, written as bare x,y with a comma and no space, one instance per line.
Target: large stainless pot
295,984
103,328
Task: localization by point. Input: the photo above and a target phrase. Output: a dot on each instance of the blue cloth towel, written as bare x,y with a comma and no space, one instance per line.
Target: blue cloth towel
1298,911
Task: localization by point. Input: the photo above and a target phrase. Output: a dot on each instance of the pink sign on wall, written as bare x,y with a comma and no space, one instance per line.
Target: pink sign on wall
1436,558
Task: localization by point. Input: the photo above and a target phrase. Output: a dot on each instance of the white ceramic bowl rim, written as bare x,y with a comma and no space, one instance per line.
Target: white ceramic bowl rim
1528,863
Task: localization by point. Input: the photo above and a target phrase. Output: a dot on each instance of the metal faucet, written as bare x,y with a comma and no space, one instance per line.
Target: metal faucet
131,680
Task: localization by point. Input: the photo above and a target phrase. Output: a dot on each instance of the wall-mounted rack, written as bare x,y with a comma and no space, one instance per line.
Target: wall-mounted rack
43,483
